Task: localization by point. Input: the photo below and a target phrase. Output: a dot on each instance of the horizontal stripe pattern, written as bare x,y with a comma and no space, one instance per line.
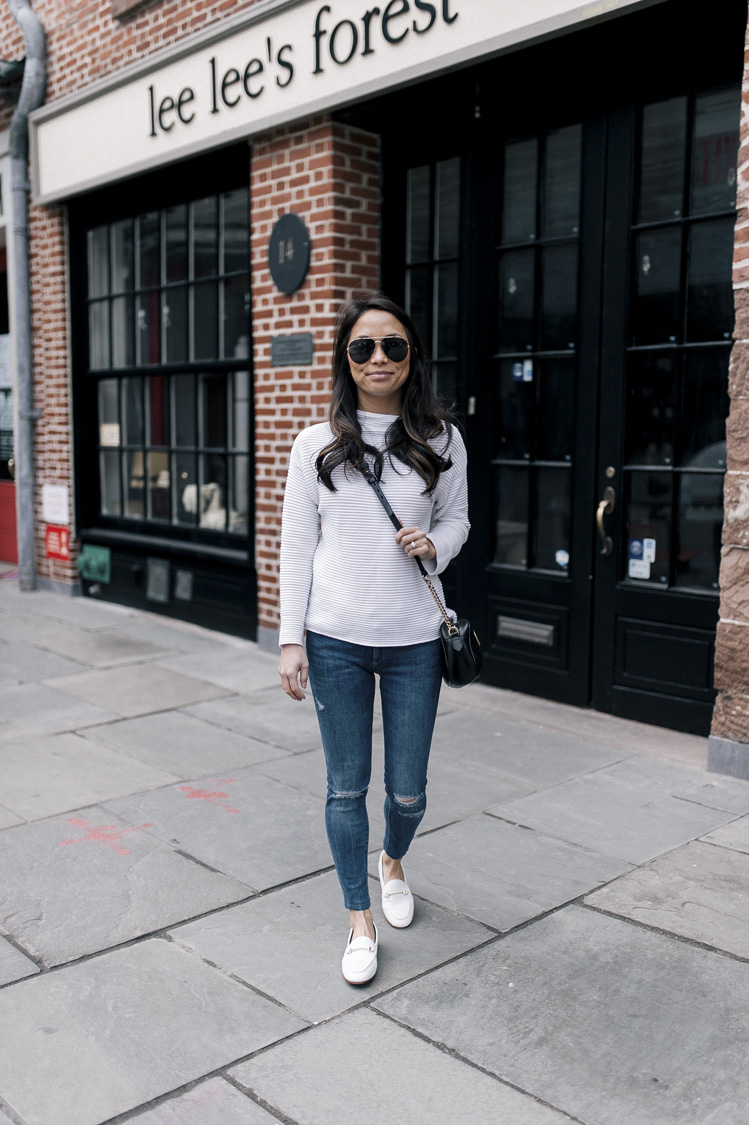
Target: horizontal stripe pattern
342,573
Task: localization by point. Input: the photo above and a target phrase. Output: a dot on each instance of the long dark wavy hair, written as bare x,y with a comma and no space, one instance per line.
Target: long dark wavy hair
423,417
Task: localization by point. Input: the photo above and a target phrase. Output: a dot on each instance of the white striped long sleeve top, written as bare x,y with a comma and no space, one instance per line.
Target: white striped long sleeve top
342,573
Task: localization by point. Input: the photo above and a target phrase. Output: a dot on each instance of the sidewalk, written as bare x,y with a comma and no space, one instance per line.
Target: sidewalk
173,926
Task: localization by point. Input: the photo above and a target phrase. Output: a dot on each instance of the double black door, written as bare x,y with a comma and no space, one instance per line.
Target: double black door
569,258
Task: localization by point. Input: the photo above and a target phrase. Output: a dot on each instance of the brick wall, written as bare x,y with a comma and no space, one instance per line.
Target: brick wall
731,716
328,174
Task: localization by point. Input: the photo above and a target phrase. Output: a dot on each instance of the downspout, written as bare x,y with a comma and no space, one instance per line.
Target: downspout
32,96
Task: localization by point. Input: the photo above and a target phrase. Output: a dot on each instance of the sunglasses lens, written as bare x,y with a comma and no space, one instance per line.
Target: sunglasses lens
361,350
395,348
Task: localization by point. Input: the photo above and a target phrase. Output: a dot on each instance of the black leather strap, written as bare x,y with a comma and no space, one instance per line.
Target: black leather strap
369,476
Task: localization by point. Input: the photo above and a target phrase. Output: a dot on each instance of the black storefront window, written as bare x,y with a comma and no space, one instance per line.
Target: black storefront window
168,344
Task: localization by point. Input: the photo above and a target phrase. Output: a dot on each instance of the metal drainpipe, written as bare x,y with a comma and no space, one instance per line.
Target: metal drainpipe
32,96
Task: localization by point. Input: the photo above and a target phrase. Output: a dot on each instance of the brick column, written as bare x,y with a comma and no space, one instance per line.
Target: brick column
329,175
729,741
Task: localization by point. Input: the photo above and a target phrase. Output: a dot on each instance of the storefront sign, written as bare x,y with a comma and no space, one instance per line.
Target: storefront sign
56,503
281,60
292,351
57,542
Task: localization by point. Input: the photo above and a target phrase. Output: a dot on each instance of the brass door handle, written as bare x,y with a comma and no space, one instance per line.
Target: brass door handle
605,507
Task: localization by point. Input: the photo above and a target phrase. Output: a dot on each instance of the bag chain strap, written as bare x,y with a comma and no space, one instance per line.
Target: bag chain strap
372,479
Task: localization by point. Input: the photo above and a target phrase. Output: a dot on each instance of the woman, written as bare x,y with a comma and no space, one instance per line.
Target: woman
355,588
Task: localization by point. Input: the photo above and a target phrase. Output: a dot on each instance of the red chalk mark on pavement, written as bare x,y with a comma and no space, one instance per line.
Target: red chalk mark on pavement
215,796
107,834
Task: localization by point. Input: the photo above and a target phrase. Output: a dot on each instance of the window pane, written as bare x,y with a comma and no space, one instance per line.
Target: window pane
236,240
174,316
240,491
446,311
98,261
655,313
447,203
212,512
186,488
561,211
704,409
184,410
664,135
123,275
109,482
205,237
552,536
516,411
135,482
559,298
133,429
213,411
714,149
417,215
555,415
109,413
123,332
512,516
700,529
158,486
158,410
98,335
176,243
651,409
445,377
649,517
205,299
710,294
240,410
149,249
148,321
516,300
236,317
418,300
519,193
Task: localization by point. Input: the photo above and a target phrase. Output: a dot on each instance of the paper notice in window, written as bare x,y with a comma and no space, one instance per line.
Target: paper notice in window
638,568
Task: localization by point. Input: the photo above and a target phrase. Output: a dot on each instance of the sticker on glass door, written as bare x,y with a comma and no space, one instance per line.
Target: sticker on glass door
641,553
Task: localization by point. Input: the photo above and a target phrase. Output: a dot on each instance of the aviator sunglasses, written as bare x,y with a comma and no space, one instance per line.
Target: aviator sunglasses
394,347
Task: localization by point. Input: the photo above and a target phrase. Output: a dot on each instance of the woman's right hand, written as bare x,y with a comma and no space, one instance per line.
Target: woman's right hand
293,671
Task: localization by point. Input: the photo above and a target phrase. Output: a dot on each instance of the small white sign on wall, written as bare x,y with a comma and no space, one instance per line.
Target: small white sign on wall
56,504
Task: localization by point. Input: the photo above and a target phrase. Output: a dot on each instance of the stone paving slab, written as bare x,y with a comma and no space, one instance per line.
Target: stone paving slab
306,926
5,1120
20,662
14,965
101,648
25,627
182,745
628,821
711,789
214,1102
136,689
87,613
43,776
241,670
116,1031
75,885
608,1021
171,636
30,708
536,756
500,874
246,825
698,891
348,1070
8,819
267,715
734,835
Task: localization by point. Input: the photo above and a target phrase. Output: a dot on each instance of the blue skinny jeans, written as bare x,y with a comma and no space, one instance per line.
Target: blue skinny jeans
342,679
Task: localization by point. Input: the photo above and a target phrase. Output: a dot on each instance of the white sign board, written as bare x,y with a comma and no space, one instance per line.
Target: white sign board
276,62
6,372
56,504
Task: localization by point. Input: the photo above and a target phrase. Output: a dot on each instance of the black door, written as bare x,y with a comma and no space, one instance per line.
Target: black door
570,260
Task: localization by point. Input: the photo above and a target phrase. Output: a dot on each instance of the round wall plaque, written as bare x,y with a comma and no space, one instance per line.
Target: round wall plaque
288,252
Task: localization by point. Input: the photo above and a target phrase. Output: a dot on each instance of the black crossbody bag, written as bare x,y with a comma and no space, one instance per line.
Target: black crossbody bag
462,658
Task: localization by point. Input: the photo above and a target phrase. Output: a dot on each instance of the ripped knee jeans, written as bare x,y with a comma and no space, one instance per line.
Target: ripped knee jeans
342,680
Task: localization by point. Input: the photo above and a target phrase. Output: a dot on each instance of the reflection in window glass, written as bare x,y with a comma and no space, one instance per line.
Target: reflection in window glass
158,486
516,412
446,311
445,378
519,191
240,410
134,485
704,409
109,413
174,319
552,531
516,300
447,203
649,517
176,243
715,146
133,428
559,297
236,318
657,267
664,135
205,237
700,529
709,293
98,335
512,516
555,415
240,491
149,249
418,299
651,409
123,343
109,482
184,410
205,297
123,275
148,325
417,215
213,411
97,242
158,410
213,492
236,230
561,199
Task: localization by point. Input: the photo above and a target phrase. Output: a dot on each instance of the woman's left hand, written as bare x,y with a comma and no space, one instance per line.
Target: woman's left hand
414,542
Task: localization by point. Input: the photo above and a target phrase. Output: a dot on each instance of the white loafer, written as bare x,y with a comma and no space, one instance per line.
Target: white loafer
397,900
359,962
